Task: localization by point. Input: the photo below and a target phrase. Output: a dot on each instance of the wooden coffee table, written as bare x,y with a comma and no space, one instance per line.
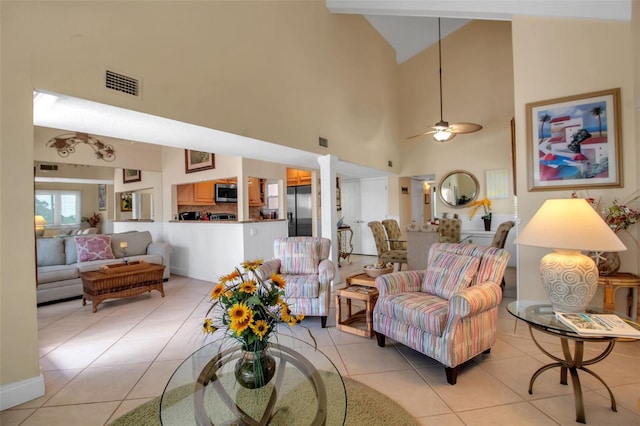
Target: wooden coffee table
120,280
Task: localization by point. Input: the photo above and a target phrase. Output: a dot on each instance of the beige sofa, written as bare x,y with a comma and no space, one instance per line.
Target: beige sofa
58,273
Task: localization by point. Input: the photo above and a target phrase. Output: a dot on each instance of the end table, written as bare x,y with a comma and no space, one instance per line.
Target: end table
616,281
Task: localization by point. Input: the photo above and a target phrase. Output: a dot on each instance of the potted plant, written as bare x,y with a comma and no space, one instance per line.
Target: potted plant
485,203
248,310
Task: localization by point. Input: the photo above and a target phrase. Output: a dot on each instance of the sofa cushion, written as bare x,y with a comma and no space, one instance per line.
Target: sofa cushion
49,274
422,311
70,250
93,247
298,256
50,251
137,243
449,273
301,286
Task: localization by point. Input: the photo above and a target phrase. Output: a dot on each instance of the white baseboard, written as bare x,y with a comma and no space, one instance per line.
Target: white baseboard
16,393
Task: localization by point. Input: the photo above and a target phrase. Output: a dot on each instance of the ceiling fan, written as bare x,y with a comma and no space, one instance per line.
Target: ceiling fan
442,131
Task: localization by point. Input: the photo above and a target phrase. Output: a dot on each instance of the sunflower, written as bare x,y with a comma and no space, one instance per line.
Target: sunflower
248,286
232,276
260,328
207,326
217,291
242,325
251,265
278,280
239,312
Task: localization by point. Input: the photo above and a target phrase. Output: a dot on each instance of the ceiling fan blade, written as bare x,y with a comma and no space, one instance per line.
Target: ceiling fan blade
465,127
430,132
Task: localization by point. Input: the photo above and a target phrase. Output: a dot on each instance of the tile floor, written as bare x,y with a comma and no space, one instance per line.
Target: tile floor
99,366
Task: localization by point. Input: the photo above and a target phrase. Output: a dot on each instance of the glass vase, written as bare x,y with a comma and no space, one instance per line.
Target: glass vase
255,369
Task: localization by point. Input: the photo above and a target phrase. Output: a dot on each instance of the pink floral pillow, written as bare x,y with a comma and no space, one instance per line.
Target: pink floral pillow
93,247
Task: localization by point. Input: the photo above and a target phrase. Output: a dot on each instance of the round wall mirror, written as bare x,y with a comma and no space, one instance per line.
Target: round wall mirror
458,188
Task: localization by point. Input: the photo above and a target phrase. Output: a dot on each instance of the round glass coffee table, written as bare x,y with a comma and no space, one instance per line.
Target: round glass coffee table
307,388
542,318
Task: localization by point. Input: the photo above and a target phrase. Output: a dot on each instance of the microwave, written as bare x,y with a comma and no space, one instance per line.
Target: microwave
225,193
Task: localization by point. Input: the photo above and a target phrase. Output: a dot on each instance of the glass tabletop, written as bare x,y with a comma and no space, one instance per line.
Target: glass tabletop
307,388
542,315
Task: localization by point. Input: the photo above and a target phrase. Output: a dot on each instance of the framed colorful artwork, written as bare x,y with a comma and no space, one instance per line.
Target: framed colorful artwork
195,161
575,142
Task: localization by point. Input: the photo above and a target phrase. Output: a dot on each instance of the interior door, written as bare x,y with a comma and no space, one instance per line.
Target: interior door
350,196
374,206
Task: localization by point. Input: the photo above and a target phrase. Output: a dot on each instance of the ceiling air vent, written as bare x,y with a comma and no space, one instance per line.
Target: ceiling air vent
49,167
122,83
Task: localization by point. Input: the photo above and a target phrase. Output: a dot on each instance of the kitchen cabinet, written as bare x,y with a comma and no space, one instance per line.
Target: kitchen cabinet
195,194
256,192
203,192
298,177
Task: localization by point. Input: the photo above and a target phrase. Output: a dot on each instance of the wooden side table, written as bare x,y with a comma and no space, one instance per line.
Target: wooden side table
360,287
616,281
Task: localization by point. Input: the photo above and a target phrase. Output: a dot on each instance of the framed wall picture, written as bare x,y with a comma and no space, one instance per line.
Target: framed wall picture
195,161
575,142
126,202
130,175
102,197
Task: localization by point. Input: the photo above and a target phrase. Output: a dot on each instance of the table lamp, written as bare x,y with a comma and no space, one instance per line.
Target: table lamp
123,247
568,226
40,222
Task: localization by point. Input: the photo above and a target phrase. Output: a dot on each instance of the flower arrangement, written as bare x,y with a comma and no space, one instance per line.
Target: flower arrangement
485,203
619,216
93,220
251,308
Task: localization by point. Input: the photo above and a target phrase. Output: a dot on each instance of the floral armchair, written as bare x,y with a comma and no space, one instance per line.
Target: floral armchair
304,264
449,311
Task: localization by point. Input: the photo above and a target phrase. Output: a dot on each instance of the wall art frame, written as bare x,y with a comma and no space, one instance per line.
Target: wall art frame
196,161
575,142
102,197
131,175
126,202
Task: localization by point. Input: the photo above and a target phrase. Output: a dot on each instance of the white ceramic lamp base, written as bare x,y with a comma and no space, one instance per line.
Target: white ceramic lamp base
570,280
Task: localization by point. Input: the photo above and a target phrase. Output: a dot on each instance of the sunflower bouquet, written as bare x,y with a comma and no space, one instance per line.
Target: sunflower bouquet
249,308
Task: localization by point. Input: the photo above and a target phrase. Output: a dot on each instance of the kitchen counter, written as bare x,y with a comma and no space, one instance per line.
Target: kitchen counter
227,221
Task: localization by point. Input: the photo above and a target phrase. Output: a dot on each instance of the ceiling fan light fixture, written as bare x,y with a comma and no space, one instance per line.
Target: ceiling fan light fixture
443,135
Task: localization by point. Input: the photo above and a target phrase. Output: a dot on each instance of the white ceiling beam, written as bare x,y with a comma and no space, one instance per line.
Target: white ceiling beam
503,10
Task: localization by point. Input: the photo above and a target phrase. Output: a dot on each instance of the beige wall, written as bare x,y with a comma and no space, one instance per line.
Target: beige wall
477,78
250,76
596,56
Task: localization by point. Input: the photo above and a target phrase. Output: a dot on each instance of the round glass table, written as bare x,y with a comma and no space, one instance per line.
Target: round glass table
542,318
306,389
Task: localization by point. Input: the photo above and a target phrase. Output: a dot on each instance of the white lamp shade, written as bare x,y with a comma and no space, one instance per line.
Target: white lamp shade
569,224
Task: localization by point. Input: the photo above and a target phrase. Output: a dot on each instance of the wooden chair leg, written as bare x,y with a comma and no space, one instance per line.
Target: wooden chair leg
380,339
323,321
452,374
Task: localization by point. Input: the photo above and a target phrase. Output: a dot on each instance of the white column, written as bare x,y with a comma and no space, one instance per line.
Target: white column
328,212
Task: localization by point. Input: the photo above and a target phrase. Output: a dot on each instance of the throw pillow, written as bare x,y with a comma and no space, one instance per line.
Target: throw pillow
449,273
93,247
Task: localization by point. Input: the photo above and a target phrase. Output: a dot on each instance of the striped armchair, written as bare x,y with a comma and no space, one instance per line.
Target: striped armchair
449,311
304,264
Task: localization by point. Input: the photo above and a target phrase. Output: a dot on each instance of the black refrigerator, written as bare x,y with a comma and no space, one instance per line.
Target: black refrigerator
299,210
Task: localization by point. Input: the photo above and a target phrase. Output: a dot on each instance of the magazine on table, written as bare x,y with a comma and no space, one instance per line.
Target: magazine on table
598,324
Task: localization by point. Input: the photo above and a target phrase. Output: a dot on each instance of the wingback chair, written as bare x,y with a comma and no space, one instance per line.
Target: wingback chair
394,234
304,264
500,239
385,255
450,230
449,311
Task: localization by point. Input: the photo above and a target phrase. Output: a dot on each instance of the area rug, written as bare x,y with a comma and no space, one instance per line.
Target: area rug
365,406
